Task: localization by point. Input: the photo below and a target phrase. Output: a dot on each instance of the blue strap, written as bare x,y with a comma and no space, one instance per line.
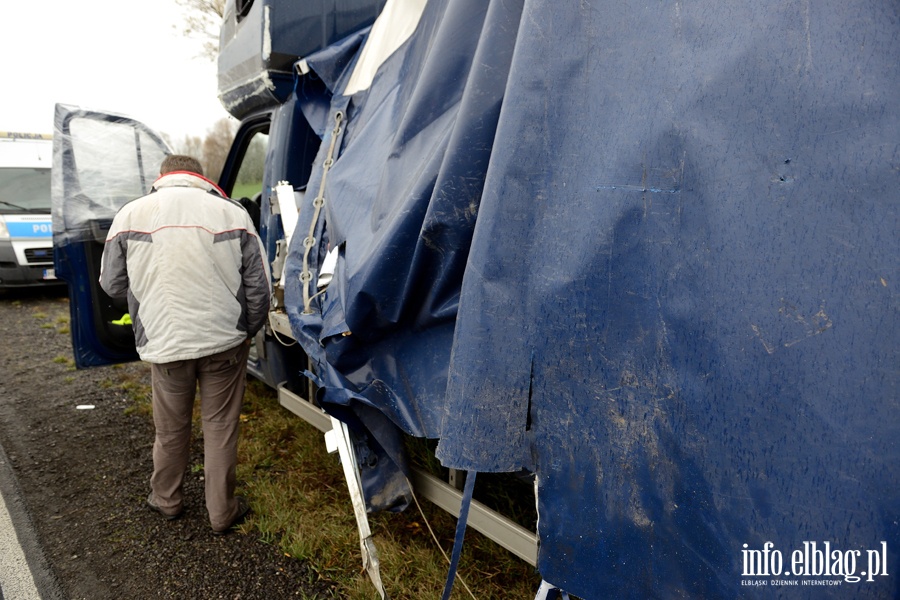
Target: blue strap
460,532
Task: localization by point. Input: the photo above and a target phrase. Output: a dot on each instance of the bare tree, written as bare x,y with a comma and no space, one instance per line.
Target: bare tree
211,151
215,147
254,162
190,145
202,20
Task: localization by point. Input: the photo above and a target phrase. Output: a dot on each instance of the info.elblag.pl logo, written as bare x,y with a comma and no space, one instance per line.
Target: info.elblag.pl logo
816,563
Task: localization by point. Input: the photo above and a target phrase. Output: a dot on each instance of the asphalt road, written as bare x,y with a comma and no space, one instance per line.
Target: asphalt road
74,484
24,573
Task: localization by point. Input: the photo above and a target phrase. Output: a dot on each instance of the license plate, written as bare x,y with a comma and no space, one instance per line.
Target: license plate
49,273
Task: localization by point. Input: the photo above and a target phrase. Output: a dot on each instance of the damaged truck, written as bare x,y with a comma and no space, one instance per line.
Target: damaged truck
645,253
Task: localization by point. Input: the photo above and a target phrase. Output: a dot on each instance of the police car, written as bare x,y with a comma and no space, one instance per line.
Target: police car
26,244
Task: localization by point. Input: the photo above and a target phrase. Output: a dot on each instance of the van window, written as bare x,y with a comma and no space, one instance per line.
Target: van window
116,162
249,180
24,189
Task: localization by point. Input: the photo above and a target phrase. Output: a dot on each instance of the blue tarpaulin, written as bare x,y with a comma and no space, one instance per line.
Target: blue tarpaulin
648,251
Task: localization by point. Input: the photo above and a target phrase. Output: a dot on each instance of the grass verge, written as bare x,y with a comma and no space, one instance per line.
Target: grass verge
301,505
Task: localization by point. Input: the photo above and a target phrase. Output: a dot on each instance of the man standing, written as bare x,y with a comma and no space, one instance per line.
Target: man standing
193,270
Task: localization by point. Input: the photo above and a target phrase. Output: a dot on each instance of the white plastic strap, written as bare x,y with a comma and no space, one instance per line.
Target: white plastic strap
338,440
284,194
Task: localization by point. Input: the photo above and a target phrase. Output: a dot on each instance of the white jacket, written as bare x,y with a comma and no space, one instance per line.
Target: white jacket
192,267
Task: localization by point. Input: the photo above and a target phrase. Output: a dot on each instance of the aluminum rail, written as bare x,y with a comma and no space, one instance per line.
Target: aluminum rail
506,533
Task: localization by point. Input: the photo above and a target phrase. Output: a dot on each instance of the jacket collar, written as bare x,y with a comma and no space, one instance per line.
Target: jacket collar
187,179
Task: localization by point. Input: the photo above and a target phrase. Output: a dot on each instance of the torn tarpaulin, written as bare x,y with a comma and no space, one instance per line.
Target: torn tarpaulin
647,252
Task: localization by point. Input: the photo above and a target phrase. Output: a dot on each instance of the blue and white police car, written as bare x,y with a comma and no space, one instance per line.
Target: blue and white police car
26,237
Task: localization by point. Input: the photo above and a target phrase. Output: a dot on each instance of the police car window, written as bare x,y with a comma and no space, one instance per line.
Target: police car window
25,189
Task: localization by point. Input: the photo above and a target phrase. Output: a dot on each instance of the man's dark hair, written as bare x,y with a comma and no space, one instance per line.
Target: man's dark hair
180,162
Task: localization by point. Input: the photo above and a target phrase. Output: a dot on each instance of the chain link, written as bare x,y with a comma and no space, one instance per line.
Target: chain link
319,202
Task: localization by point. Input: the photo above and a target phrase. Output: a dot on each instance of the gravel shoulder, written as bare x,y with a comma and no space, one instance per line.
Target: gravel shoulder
83,475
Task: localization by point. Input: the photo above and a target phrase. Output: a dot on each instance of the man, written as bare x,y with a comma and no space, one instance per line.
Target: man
193,270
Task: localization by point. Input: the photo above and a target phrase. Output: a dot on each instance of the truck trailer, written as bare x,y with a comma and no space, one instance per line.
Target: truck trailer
644,253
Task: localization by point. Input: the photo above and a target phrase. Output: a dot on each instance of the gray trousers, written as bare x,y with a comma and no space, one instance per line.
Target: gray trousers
222,379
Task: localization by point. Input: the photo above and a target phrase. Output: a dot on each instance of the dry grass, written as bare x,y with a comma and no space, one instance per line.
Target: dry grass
301,503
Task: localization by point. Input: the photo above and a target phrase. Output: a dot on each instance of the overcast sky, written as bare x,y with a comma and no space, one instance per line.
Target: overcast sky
124,56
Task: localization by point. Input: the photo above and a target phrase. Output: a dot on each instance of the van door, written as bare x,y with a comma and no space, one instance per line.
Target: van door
100,162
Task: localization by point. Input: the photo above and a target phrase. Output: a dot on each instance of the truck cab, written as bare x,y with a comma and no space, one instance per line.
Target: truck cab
26,251
105,159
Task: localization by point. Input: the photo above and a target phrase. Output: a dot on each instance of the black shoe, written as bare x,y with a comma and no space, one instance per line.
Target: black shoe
243,509
157,509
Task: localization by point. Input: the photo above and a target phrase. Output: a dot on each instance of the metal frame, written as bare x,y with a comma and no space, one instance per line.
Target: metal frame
503,531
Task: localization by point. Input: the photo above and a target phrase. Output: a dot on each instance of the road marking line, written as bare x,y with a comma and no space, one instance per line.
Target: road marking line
16,580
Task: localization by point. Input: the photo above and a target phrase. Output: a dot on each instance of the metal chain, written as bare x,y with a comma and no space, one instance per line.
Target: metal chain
310,241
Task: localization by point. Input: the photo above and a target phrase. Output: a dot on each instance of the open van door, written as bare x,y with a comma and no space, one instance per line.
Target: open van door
100,162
